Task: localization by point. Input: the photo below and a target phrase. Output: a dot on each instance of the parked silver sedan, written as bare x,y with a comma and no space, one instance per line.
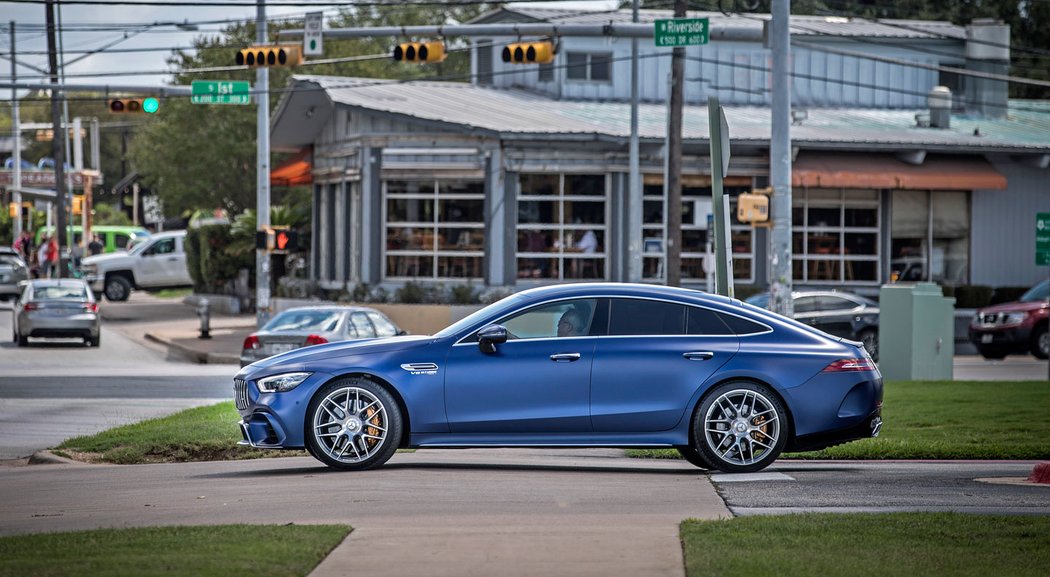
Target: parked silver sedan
305,326
57,308
13,270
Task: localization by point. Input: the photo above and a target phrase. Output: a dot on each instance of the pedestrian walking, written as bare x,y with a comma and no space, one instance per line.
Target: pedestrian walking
41,258
52,257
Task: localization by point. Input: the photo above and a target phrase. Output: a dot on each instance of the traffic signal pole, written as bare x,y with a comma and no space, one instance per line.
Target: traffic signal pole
780,285
262,201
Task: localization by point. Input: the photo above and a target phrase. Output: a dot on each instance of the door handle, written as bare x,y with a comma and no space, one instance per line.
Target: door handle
699,355
565,357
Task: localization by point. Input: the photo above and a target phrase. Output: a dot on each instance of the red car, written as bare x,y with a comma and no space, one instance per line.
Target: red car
1014,328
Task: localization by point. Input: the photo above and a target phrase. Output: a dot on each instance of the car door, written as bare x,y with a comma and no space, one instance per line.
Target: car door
536,382
178,273
652,361
155,262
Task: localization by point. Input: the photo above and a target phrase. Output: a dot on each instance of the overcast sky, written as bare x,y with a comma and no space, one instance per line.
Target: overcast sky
139,68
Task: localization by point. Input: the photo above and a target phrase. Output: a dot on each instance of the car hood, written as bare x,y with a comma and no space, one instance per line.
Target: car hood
104,258
299,358
1014,307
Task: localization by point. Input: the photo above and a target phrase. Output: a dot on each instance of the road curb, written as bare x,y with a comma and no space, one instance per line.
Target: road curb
194,355
49,458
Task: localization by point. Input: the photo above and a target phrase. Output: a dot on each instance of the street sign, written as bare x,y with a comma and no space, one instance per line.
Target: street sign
221,92
1042,239
313,41
681,32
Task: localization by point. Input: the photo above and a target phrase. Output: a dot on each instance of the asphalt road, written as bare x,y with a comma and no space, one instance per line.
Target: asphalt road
54,390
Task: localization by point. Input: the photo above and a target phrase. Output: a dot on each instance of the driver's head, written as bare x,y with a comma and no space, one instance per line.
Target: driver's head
571,324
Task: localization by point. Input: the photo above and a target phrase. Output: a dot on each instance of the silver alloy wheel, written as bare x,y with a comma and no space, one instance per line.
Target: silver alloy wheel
742,427
350,424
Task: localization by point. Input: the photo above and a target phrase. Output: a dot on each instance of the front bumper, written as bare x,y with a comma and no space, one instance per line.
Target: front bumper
274,420
1013,337
96,282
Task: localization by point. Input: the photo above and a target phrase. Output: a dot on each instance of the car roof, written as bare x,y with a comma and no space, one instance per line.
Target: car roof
332,308
622,289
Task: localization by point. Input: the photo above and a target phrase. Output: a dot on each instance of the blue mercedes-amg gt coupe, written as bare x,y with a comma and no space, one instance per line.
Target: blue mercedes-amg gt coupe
729,385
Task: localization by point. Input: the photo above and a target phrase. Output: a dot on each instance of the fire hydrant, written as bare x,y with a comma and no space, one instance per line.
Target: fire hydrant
204,314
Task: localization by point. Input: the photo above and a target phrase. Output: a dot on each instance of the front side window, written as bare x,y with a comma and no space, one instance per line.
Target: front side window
562,226
571,318
435,229
384,328
165,246
362,325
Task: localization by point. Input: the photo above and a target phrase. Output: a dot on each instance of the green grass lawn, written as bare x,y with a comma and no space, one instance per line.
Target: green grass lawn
219,551
199,434
948,420
860,544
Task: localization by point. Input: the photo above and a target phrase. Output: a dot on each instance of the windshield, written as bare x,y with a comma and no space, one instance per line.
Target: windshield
59,292
1039,292
316,320
494,309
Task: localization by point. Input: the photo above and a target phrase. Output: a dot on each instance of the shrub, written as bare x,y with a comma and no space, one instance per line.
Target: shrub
211,266
1005,294
463,295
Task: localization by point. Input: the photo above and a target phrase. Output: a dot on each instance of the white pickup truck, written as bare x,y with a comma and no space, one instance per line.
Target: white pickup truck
157,263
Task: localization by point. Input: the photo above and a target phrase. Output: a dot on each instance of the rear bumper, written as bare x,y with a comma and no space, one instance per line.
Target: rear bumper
868,427
40,326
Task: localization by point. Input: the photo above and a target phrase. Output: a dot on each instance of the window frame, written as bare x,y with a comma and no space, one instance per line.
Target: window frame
591,59
840,260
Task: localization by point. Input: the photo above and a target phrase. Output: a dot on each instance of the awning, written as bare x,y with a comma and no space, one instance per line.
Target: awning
295,171
884,171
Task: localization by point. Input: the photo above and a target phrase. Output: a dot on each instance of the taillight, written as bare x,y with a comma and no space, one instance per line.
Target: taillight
252,342
315,340
30,307
91,307
851,365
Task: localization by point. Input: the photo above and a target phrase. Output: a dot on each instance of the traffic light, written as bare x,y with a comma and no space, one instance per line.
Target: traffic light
12,210
78,204
277,55
529,52
134,105
752,208
421,52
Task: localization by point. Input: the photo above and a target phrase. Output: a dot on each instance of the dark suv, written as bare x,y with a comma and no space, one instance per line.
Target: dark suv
839,313
1014,328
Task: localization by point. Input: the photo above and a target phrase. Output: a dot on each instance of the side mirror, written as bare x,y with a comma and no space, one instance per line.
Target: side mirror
402,333
491,336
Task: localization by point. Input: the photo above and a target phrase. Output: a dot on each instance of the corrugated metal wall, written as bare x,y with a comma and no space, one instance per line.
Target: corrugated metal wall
1003,224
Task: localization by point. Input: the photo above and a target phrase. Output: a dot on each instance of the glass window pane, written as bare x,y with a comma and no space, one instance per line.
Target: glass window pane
833,303
861,270
410,187
538,267
459,266
741,268
823,243
576,66
476,187
461,210
398,265
362,325
742,326
461,239
862,243
862,217
642,317
562,319
652,267
383,326
584,212
601,67
584,185
805,304
693,268
741,240
653,212
539,212
705,322
821,216
530,240
409,210
584,268
538,184
584,241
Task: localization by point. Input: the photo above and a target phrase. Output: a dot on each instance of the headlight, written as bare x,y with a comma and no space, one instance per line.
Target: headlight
281,383
1013,318
89,269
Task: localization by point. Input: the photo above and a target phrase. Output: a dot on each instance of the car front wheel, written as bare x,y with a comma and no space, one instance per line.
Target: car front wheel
1040,343
117,288
353,424
741,427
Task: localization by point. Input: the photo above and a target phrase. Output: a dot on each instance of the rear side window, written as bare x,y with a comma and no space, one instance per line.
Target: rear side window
644,317
384,328
362,325
706,322
742,326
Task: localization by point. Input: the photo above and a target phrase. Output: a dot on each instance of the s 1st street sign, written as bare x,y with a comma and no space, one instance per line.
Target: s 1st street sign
221,92
681,31
1042,239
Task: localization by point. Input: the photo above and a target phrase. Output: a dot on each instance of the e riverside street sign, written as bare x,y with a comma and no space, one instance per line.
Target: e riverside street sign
681,32
221,92
1042,239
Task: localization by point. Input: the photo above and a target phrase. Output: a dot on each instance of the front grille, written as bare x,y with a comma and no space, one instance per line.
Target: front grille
990,318
240,394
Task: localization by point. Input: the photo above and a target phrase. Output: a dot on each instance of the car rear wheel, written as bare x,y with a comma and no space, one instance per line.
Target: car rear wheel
93,341
1040,343
117,288
992,353
740,427
353,424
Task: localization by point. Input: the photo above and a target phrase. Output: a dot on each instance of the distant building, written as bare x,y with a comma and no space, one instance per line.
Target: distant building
500,180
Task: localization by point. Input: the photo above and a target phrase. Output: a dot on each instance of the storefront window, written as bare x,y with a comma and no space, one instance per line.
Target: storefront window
911,234
835,236
562,227
434,229
696,206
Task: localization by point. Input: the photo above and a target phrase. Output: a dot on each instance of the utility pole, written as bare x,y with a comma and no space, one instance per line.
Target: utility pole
780,162
16,131
674,160
634,185
262,201
56,145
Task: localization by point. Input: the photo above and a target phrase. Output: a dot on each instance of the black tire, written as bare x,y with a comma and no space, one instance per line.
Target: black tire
118,288
93,341
763,423
1040,346
694,457
992,353
328,436
870,338
23,341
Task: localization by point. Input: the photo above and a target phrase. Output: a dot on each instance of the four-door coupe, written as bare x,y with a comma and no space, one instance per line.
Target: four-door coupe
729,385
57,308
306,326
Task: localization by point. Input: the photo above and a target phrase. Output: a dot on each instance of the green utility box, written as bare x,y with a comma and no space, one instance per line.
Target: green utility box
916,332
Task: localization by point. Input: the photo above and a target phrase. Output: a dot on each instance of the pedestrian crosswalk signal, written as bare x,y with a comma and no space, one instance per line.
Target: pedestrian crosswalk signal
279,55
529,53
421,52
752,208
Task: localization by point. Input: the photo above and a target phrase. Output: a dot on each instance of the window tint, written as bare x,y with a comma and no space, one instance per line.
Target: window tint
830,303
742,326
644,317
571,318
121,240
363,327
384,328
805,304
705,322
165,246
